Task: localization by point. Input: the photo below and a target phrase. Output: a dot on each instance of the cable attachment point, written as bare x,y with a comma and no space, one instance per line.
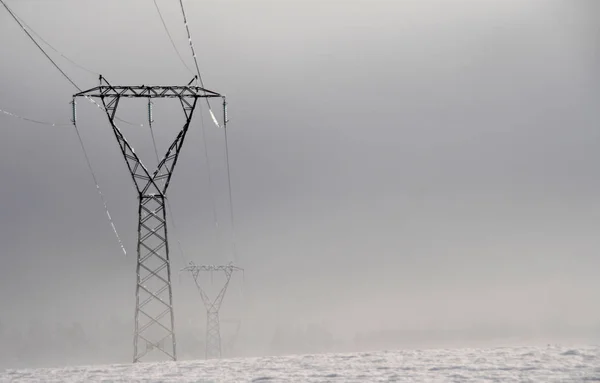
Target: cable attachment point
225,117
150,115
74,112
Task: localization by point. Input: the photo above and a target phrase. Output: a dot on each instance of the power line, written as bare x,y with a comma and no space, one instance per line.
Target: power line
191,44
213,203
208,173
31,119
171,38
88,162
57,51
217,124
17,19
203,129
187,28
229,189
38,45
181,252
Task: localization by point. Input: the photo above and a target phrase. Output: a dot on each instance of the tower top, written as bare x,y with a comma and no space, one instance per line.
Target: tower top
148,91
145,91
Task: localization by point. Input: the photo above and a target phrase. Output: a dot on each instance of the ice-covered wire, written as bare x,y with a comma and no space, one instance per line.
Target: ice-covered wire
224,125
171,38
89,164
187,28
38,45
99,190
233,244
209,177
203,129
18,21
190,42
31,119
56,50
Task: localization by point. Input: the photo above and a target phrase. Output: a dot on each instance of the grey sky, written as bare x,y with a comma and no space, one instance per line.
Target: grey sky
394,163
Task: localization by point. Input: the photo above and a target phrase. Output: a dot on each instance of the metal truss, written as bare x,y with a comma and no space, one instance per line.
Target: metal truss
143,91
213,330
154,334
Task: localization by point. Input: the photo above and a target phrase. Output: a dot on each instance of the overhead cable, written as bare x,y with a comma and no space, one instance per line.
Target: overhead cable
22,25
233,242
38,45
88,162
224,126
187,28
171,38
206,156
31,119
57,51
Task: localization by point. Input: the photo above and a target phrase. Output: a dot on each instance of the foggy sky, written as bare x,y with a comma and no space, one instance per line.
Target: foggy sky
395,164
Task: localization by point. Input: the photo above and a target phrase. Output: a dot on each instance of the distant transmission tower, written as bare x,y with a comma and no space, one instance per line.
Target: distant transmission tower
213,330
154,333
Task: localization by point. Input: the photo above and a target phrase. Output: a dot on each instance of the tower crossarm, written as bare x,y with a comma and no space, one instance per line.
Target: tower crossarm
228,270
148,91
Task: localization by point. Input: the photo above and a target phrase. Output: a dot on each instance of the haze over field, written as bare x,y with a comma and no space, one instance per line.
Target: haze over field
426,169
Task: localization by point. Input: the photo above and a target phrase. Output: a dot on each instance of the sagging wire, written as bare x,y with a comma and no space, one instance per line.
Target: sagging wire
38,45
190,41
98,189
31,119
22,25
56,50
224,126
89,164
225,121
150,120
187,28
209,177
171,38
202,127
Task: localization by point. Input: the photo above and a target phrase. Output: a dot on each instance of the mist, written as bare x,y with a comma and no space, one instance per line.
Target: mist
404,174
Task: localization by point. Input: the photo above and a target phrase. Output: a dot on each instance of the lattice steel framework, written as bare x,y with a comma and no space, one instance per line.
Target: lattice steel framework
213,329
154,333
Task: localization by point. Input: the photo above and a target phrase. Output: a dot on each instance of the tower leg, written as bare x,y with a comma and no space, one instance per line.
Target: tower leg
154,319
213,334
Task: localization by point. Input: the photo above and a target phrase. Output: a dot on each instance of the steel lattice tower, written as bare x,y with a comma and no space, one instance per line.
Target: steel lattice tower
154,318
213,329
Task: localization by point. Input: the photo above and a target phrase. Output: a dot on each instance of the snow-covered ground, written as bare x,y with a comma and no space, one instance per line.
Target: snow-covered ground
516,364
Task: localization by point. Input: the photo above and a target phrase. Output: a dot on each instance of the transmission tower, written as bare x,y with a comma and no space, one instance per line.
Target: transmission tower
213,329
154,334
